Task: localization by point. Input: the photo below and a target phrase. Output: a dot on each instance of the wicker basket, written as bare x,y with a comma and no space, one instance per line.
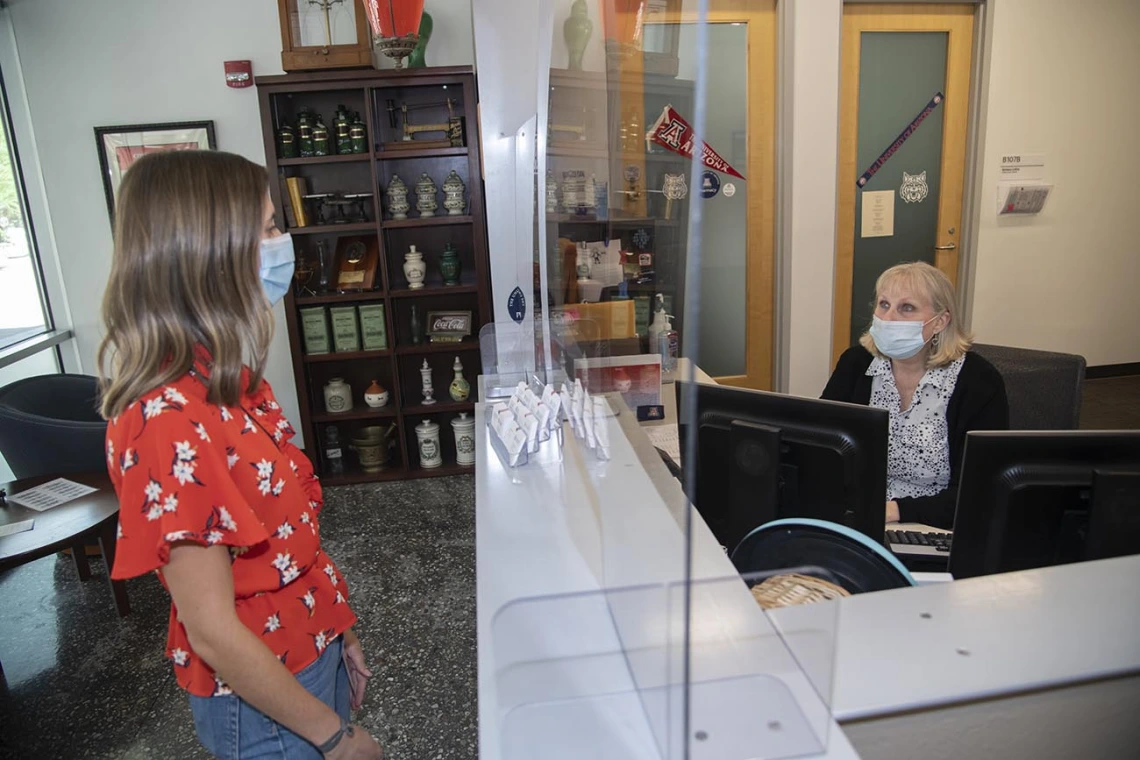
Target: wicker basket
792,589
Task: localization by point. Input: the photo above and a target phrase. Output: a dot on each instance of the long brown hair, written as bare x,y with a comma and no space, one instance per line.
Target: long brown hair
188,225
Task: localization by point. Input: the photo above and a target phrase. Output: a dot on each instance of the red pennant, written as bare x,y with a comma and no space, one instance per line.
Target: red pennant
671,131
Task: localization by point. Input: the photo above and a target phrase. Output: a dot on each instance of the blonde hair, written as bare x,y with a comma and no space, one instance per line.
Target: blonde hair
953,341
188,226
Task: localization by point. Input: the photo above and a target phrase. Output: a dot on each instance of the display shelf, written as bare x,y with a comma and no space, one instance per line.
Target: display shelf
437,348
450,406
360,295
405,153
347,158
345,356
387,412
429,221
439,290
332,229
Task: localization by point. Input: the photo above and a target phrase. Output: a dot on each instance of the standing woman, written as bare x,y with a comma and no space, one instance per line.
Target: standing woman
916,363
213,495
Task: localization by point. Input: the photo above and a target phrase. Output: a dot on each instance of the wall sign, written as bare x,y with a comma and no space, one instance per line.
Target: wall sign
1022,166
729,189
878,214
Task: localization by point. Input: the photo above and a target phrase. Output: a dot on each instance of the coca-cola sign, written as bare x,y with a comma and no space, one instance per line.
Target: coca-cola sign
448,326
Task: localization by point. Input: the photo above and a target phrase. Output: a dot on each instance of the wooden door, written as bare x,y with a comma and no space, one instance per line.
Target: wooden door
904,102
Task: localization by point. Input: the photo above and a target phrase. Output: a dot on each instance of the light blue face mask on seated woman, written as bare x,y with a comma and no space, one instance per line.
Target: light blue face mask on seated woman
899,339
276,268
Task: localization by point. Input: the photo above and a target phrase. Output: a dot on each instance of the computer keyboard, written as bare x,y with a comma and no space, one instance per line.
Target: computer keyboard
920,543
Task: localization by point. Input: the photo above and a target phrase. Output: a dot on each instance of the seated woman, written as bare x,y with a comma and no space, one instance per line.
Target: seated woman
916,363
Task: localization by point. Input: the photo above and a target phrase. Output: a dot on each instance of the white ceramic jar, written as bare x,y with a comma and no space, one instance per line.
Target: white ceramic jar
464,429
427,436
415,269
338,396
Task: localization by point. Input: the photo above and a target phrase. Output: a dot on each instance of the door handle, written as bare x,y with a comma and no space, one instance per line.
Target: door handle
947,247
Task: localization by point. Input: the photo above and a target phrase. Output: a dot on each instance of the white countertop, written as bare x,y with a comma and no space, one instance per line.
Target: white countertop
578,604
998,634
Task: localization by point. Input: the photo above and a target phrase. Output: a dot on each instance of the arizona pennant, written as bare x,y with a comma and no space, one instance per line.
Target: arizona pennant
673,132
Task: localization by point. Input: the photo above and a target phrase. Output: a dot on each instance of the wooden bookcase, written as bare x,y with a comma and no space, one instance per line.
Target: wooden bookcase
397,367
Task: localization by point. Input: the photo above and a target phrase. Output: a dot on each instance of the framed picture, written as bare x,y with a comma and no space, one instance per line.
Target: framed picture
637,378
448,326
119,147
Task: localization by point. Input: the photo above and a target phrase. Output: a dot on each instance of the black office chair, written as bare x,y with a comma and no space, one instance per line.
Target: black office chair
1043,387
50,425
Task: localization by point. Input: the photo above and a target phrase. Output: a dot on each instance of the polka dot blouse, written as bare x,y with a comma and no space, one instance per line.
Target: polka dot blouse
918,449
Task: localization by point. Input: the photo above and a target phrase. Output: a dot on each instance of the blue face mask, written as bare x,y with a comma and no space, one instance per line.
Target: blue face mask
898,339
276,267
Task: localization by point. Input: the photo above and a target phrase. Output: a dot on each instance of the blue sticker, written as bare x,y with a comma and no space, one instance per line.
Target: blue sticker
516,305
710,184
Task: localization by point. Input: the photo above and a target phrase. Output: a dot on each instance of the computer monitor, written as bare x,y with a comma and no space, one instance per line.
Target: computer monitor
766,456
1034,499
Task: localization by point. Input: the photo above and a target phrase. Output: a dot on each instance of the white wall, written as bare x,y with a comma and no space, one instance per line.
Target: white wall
138,61
1063,82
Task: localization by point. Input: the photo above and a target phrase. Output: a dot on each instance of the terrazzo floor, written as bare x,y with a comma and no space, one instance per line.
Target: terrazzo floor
82,683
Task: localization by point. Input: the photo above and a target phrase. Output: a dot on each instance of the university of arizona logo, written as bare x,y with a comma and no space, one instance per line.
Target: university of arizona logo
674,187
670,133
913,188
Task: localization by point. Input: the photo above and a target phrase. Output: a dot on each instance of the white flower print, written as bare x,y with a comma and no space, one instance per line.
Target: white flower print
129,459
277,436
177,535
282,561
309,601
184,452
291,574
320,641
110,454
284,530
274,406
119,531
226,414
330,571
283,425
249,427
305,518
173,396
202,433
273,623
264,487
184,472
264,469
339,598
225,519
220,688
237,551
314,505
278,487
214,537
170,503
231,457
154,512
154,407
259,412
180,656
293,466
153,490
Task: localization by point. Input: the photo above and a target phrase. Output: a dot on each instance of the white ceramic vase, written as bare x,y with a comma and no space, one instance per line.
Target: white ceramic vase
464,429
427,436
414,268
338,396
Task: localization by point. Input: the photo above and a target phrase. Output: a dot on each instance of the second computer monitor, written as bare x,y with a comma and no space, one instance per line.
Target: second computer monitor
1034,499
765,456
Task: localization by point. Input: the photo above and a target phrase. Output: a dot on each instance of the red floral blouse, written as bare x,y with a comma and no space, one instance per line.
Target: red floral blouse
188,470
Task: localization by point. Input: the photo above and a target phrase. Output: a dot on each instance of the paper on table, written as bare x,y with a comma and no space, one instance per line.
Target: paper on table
16,527
666,438
51,494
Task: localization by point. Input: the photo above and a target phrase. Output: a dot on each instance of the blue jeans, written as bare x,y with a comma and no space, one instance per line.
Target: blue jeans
232,729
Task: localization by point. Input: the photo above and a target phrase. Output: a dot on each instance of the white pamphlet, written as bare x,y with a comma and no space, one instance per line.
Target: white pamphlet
51,494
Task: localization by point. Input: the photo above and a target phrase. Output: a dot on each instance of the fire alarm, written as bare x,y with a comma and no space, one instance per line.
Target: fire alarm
239,73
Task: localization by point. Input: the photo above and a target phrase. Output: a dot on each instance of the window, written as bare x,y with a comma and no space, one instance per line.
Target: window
23,303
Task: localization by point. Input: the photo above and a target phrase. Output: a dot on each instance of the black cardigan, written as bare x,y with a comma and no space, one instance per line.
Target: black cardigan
978,403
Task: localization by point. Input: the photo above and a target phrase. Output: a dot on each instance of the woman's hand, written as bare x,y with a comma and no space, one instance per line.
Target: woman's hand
893,511
358,672
359,746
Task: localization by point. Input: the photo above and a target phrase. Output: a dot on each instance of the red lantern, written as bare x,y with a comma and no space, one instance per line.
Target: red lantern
623,23
396,26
